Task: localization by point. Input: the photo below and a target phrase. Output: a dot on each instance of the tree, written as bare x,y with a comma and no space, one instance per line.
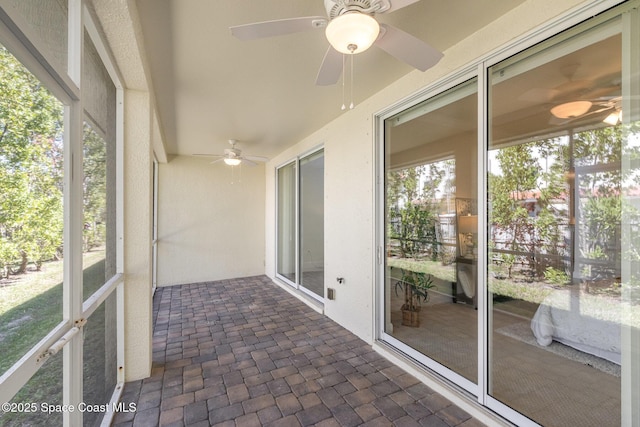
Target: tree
599,206
412,202
403,188
94,183
520,173
582,176
30,167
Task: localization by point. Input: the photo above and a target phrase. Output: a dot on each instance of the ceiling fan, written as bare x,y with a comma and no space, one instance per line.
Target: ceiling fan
576,110
233,156
579,98
350,28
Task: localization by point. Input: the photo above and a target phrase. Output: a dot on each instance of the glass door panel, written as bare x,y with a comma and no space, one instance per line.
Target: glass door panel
286,221
554,231
431,230
312,222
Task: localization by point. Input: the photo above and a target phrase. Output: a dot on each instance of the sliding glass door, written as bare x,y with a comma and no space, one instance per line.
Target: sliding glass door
510,224
555,202
431,232
287,223
300,221
312,223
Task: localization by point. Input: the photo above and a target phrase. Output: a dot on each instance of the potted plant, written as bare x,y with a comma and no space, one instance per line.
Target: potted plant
415,286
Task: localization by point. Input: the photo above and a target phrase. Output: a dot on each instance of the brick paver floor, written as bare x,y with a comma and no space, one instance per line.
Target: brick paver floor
244,352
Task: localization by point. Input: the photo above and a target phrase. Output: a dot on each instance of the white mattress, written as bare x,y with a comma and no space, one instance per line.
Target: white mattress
585,322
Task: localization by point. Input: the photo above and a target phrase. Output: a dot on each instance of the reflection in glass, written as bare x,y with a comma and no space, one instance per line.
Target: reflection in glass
431,229
554,273
287,222
31,210
312,222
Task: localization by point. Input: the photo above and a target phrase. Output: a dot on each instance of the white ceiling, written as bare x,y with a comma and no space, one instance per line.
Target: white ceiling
210,87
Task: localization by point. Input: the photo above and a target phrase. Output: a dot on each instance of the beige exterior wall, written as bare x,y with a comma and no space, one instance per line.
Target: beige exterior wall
210,221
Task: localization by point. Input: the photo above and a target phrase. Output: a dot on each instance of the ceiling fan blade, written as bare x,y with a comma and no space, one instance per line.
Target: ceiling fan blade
256,158
278,27
207,155
539,95
217,161
399,4
248,162
331,68
407,48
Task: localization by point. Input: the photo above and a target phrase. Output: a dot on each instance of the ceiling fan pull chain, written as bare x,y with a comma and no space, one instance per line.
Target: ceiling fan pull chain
351,105
343,78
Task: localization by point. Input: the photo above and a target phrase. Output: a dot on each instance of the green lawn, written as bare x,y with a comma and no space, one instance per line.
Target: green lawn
434,268
29,308
31,305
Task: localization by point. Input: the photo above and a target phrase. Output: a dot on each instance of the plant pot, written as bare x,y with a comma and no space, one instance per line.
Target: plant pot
410,317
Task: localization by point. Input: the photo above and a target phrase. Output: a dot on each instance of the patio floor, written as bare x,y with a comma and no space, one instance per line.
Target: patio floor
244,352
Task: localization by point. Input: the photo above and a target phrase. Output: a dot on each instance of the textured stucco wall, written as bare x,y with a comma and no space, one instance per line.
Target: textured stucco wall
138,196
210,221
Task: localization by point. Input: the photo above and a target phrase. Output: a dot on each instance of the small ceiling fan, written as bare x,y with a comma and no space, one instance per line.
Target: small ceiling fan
233,156
350,28
577,110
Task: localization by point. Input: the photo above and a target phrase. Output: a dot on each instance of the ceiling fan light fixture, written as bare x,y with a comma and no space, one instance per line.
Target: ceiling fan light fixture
232,161
613,118
352,32
571,110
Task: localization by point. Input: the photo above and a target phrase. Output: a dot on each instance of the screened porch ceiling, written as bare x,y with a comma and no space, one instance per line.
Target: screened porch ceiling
210,87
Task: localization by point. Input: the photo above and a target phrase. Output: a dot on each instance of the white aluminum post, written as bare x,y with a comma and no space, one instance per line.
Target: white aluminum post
630,334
